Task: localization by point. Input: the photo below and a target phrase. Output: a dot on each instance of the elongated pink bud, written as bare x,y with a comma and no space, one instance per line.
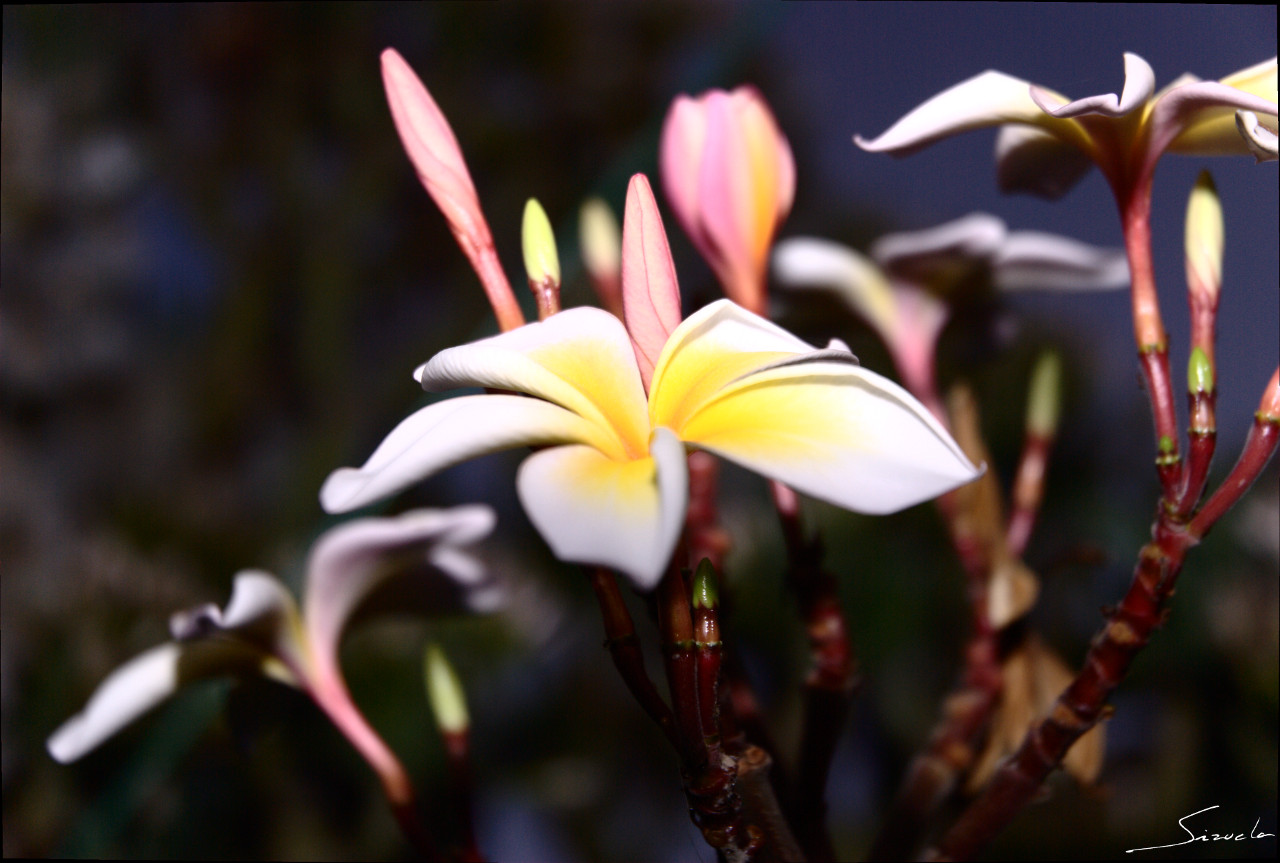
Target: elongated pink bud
729,174
436,156
650,293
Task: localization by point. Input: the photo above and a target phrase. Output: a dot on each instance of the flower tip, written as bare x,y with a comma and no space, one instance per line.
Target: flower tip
706,593
1204,240
444,692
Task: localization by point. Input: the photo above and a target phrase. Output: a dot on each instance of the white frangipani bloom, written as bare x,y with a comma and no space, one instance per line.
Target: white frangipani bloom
262,632
1048,141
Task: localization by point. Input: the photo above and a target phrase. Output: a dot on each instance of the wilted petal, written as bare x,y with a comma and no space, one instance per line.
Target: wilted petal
1260,140
1030,260
623,514
350,560
580,359
450,432
809,262
989,99
1029,159
1139,87
650,292
835,431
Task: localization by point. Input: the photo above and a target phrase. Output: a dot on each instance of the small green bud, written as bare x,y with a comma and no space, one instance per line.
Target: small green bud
1165,445
444,692
1204,239
1044,403
541,261
1199,372
706,593
600,239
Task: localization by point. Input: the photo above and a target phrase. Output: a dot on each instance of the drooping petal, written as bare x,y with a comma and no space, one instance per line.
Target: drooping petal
242,640
450,432
650,292
623,514
1030,260
834,431
1260,140
580,359
809,262
350,560
1031,160
989,99
713,346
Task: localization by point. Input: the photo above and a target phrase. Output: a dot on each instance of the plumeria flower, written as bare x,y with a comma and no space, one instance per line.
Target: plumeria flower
616,406
729,174
261,631
902,287
1047,141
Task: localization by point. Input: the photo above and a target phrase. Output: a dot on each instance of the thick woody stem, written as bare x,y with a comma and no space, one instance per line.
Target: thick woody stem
624,647
832,677
1129,627
457,747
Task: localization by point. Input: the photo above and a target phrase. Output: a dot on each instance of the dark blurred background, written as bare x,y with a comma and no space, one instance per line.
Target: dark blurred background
219,271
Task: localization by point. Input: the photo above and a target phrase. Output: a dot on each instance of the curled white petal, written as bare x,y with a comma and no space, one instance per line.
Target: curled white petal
1139,87
989,99
803,263
349,561
1031,260
972,237
1260,140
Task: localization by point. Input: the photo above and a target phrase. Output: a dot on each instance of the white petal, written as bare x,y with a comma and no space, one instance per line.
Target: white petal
450,432
989,99
127,693
835,431
1260,140
580,359
624,514
809,262
1028,159
1030,260
261,614
1199,119
919,255
349,561
712,347
1139,87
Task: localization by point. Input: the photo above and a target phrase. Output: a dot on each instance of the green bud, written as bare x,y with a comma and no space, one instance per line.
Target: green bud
706,593
1199,372
444,692
1045,400
1204,239
539,244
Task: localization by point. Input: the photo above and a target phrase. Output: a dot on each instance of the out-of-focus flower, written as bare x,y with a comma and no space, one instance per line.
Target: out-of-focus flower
900,289
1047,142
611,486
729,174
434,151
601,244
261,631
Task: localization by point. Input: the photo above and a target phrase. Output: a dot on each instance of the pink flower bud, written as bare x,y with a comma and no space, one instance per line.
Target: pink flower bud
729,174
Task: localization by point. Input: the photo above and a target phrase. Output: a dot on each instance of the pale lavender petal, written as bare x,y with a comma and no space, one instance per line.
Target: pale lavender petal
1260,140
1139,87
1030,260
1029,159
1199,119
918,254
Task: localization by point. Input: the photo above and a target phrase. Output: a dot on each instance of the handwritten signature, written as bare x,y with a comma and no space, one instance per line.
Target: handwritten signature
1206,836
